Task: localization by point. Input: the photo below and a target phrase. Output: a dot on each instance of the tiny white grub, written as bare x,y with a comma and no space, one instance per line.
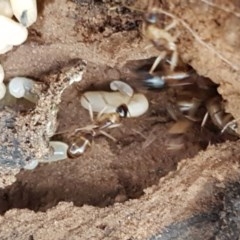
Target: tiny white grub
5,8
122,87
59,151
21,87
2,90
11,32
99,100
25,11
1,74
5,48
32,164
138,105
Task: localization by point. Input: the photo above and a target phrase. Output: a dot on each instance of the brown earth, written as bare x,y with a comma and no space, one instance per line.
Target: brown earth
135,188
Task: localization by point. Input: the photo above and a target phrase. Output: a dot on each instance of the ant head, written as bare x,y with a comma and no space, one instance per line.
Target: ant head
122,110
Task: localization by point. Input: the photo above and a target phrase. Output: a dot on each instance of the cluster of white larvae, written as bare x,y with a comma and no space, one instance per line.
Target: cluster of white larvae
14,32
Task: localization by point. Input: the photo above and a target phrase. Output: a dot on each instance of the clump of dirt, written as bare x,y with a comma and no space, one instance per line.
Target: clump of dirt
98,20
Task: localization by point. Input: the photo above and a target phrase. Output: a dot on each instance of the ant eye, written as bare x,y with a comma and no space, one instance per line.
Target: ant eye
122,110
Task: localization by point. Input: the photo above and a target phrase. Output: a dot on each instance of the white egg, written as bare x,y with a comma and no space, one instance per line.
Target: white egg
109,101
5,8
25,11
11,32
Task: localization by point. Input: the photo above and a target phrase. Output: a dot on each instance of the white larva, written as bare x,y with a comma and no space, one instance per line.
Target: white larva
11,32
5,48
109,101
121,87
5,8
31,165
25,11
21,87
59,153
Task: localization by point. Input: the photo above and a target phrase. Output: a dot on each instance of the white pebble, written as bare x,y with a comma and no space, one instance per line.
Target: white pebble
21,87
11,32
5,8
25,11
122,87
2,90
109,101
1,74
5,48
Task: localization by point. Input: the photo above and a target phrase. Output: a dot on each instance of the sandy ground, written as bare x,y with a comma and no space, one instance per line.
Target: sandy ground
134,188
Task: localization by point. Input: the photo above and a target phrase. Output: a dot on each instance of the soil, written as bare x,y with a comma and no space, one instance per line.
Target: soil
134,188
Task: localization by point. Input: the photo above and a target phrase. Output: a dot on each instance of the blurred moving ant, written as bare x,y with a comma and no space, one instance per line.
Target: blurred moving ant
160,36
219,117
193,99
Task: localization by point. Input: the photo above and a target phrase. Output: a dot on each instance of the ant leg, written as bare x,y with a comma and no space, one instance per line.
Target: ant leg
114,125
157,61
90,111
174,60
101,112
108,135
205,118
